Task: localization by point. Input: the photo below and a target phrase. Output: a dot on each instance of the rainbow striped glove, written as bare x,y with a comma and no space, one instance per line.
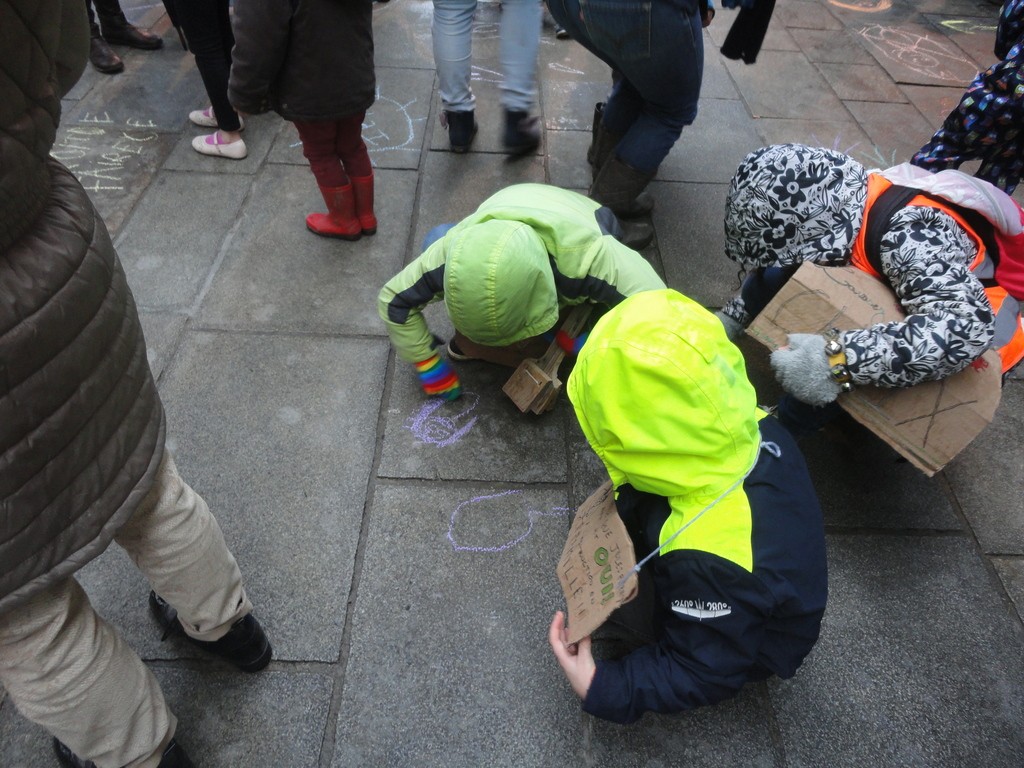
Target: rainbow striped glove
437,377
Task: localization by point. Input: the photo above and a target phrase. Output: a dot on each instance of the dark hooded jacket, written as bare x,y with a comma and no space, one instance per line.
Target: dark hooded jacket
305,59
81,424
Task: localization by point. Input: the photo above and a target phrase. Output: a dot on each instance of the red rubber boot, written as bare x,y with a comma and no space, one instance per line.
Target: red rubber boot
364,203
340,220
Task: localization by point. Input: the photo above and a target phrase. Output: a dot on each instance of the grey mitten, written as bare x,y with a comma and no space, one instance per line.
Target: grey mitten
733,328
802,369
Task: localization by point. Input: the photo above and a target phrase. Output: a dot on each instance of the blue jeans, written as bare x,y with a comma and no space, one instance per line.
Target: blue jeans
658,49
453,50
436,234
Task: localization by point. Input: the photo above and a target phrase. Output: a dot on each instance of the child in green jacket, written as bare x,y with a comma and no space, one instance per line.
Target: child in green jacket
506,271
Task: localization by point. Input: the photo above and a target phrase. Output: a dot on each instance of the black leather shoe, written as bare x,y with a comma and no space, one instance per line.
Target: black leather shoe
245,645
522,132
123,33
461,129
103,58
174,757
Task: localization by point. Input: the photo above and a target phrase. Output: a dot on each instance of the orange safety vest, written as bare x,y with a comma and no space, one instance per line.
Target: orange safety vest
1009,337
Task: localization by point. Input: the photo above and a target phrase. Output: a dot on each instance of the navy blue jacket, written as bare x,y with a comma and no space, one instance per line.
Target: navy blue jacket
720,626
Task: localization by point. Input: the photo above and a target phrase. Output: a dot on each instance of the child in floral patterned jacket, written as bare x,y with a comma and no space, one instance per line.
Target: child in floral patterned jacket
951,249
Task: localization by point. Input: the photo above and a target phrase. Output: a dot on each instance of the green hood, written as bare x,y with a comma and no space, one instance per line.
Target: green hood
663,398
498,284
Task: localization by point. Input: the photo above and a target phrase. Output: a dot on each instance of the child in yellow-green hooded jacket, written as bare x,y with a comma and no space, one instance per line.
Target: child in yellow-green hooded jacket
506,271
718,502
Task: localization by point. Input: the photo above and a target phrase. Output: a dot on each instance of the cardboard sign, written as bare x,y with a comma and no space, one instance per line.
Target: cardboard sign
597,556
929,423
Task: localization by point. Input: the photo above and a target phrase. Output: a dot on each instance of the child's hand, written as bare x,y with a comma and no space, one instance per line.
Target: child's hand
437,377
575,659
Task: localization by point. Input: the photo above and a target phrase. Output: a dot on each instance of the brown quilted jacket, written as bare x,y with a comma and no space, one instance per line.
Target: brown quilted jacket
81,423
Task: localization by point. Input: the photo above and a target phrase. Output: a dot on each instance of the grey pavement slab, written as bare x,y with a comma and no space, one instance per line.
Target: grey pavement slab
860,82
277,275
163,331
804,15
917,54
974,35
271,432
781,85
691,241
569,103
401,34
168,258
841,135
115,161
468,180
896,132
224,719
163,87
480,436
258,135
919,662
1011,573
840,46
449,663
933,103
717,82
734,733
567,160
711,148
986,476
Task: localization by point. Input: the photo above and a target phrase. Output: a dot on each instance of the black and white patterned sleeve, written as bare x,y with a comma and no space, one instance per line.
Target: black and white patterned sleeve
925,255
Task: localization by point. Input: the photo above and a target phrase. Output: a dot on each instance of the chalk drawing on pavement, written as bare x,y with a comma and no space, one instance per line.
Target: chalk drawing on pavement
969,26
439,428
480,505
863,6
98,150
932,59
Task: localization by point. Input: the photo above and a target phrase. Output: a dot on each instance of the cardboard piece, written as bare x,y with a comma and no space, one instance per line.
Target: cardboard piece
597,556
929,423
534,386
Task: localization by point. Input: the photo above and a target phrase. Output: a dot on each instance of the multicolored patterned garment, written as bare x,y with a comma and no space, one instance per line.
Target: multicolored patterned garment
789,203
988,123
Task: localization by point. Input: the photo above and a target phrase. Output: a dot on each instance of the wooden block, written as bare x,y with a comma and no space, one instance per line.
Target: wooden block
534,386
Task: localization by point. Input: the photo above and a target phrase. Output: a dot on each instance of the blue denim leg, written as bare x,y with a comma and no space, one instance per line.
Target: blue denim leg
761,285
453,50
520,38
658,48
802,419
436,234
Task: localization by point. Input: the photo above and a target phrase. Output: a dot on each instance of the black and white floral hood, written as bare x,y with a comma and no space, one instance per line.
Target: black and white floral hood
790,203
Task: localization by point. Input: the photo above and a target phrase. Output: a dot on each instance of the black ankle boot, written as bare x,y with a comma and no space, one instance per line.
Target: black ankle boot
102,57
522,132
174,757
602,142
461,129
245,645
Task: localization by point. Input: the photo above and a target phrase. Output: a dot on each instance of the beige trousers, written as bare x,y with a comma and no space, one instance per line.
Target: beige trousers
68,670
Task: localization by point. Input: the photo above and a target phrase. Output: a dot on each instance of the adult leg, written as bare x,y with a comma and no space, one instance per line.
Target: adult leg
520,38
101,55
452,33
207,27
179,547
117,30
69,671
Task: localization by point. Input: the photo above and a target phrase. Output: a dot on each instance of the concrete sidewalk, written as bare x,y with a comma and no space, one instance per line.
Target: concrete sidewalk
401,552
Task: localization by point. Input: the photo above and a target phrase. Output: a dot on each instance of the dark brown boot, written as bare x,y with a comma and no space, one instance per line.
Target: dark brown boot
102,56
620,187
117,30
602,142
